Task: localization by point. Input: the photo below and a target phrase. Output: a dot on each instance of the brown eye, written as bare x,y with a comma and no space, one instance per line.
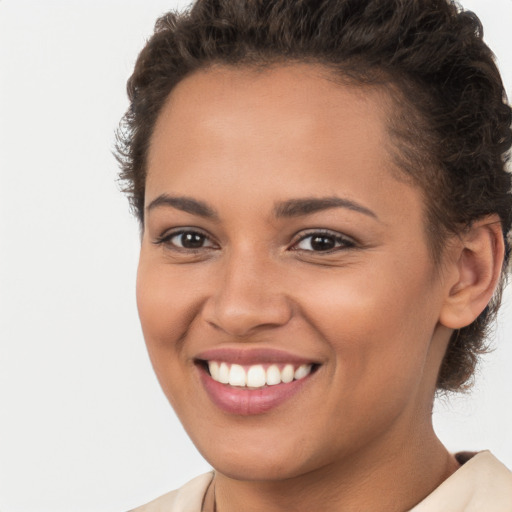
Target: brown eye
189,240
323,242
186,240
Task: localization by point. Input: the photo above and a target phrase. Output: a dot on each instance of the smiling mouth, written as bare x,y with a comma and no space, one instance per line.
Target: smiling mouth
256,376
242,381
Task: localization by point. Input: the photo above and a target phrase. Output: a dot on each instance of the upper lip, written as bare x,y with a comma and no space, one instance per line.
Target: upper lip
251,356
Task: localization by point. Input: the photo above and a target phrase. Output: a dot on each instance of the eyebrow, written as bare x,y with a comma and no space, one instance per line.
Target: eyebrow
309,205
185,204
284,209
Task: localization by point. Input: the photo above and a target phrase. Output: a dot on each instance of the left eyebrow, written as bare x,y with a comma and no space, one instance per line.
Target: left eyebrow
309,205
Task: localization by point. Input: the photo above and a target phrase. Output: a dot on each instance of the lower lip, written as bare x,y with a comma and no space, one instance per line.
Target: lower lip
247,402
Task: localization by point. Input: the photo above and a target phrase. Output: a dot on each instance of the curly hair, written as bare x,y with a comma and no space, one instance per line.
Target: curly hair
450,128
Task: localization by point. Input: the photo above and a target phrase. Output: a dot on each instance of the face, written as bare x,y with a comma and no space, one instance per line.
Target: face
285,288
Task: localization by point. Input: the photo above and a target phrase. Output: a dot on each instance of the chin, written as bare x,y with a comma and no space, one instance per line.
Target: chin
260,455
257,467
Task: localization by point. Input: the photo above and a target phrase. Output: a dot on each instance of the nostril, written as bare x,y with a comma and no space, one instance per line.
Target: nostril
244,323
240,308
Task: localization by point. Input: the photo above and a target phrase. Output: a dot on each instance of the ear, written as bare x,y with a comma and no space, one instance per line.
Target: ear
474,270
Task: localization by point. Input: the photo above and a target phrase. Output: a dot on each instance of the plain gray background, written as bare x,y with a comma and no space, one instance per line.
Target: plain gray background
83,424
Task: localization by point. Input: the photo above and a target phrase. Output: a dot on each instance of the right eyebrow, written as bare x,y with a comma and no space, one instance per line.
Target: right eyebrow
185,204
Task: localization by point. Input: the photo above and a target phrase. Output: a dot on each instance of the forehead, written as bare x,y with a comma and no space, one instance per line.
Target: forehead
288,131
305,92
226,109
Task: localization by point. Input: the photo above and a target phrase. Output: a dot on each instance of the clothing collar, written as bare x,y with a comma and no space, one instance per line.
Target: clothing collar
482,483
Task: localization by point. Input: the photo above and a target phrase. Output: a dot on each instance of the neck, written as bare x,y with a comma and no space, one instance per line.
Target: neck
378,480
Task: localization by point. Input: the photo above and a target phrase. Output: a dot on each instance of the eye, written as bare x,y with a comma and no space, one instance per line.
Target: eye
186,240
323,241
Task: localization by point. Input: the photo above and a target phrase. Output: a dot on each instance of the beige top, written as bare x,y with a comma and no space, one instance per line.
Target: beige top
483,484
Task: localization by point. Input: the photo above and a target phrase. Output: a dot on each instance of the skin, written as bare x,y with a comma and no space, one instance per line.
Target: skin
374,312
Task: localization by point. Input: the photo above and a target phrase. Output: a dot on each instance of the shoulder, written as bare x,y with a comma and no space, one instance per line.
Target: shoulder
481,483
188,498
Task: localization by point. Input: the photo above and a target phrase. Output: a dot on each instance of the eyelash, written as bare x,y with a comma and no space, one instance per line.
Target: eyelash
340,242
166,238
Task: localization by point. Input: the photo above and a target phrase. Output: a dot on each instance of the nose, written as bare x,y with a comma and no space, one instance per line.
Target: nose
248,298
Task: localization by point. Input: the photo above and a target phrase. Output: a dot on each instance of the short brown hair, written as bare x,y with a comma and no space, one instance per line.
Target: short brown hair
452,132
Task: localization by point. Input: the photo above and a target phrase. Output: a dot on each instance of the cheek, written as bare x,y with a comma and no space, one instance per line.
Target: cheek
377,322
166,301
165,311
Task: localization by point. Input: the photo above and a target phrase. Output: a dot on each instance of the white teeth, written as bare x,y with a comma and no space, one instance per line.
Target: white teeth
223,373
255,376
213,366
302,371
273,375
237,375
287,373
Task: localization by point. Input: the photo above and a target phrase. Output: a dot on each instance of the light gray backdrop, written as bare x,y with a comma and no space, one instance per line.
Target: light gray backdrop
84,426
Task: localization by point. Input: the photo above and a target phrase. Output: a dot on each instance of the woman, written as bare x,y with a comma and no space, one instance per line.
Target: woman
325,209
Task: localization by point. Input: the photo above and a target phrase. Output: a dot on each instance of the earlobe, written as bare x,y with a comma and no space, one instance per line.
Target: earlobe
476,269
